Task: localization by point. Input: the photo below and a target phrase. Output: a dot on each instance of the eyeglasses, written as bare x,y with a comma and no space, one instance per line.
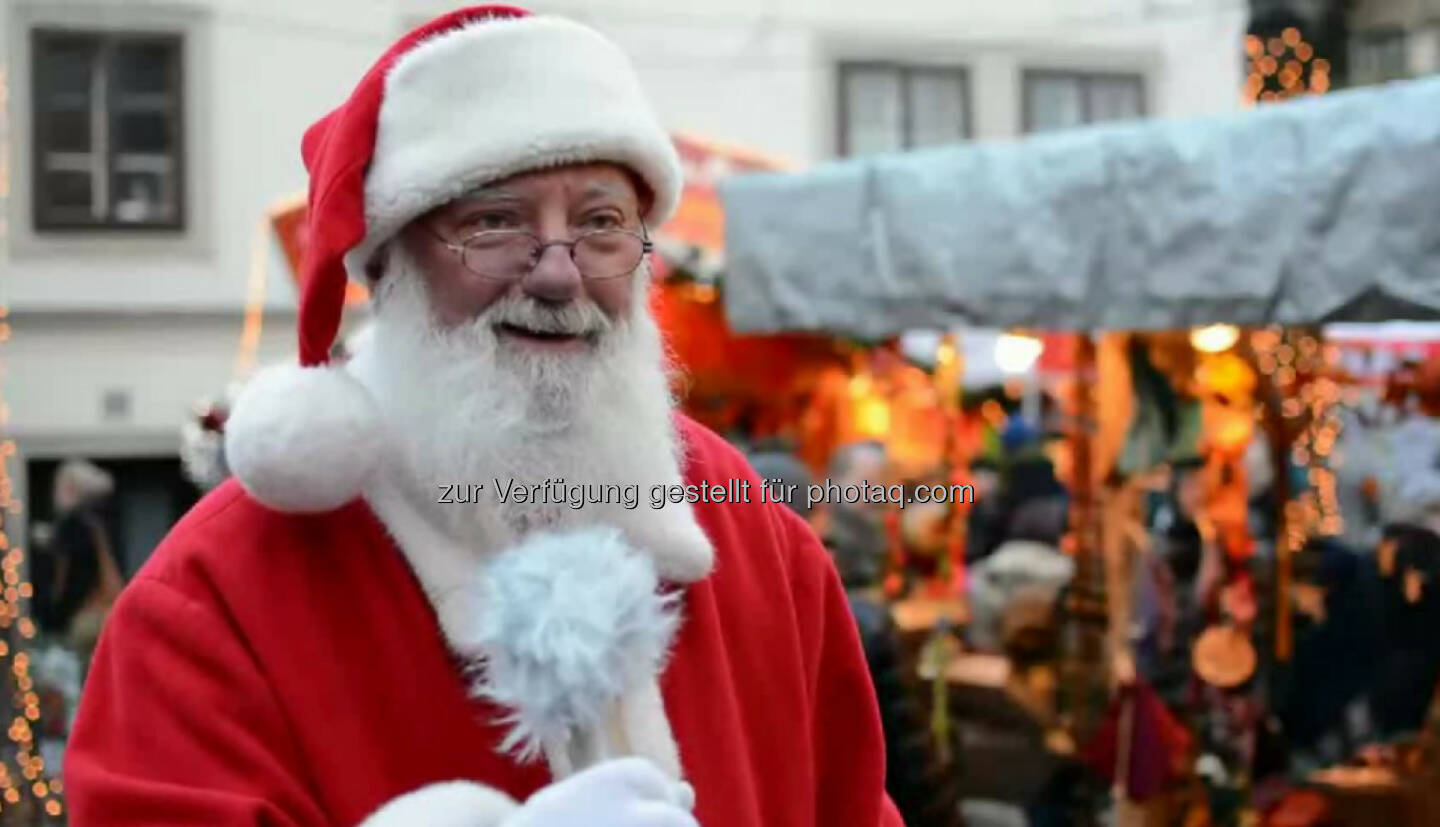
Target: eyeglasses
510,255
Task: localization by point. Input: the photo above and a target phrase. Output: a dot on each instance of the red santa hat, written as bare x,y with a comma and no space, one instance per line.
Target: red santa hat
470,98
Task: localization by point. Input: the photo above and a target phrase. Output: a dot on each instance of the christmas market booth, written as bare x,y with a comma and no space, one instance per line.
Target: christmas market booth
1251,491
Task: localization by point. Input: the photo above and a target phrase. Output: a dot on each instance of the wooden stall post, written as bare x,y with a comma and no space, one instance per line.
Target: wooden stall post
1086,673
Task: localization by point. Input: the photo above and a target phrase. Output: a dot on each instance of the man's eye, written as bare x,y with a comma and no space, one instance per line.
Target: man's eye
490,221
602,221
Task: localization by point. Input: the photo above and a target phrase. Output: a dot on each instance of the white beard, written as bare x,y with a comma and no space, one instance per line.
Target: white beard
464,407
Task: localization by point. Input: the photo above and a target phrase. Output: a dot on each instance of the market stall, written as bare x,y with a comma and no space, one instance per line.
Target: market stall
1212,252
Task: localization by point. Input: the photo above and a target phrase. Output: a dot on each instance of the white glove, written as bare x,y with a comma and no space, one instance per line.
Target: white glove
628,792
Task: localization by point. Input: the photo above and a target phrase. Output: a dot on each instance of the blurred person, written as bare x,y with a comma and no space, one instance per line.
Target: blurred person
1029,563
860,463
1177,586
855,532
82,579
326,640
1026,477
1407,563
924,533
790,480
1337,622
985,528
923,786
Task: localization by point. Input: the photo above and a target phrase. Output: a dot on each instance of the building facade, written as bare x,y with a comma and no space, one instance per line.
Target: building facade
144,142
1393,40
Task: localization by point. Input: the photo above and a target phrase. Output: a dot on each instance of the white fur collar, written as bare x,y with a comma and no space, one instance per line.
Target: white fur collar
445,570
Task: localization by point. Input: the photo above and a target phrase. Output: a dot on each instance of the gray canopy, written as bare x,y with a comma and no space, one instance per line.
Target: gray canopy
1326,209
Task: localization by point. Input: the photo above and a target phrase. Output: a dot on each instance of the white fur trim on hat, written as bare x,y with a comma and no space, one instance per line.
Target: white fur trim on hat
304,440
447,804
501,97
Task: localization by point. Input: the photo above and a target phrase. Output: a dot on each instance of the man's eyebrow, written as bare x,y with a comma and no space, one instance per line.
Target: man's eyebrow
487,195
602,189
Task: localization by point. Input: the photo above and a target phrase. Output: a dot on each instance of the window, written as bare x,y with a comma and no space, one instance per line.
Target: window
888,107
1379,56
1062,100
107,114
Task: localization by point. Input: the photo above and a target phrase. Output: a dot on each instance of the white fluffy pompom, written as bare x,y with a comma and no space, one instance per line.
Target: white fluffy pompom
304,440
567,623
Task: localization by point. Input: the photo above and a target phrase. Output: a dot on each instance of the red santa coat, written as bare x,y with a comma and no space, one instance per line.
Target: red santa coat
272,669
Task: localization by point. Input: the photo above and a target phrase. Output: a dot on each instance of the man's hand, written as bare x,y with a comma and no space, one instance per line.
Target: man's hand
630,792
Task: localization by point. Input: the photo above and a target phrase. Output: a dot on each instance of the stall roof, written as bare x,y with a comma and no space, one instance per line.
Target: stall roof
1325,209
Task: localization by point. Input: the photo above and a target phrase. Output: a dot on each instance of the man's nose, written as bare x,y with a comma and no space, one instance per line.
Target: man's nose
554,279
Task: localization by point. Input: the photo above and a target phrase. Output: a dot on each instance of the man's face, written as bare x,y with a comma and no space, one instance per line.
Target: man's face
546,378
553,205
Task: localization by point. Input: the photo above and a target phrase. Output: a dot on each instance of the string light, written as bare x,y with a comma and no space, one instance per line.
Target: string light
1300,366
1280,68
21,752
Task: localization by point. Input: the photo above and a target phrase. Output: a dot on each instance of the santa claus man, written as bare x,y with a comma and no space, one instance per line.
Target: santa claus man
458,580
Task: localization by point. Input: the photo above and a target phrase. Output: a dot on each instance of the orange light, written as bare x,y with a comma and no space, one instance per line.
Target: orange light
1304,51
1253,45
1276,47
1290,37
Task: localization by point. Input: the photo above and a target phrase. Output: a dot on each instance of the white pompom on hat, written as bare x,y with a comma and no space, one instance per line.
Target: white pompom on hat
472,97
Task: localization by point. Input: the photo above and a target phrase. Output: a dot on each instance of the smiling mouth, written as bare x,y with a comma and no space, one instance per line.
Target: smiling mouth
533,335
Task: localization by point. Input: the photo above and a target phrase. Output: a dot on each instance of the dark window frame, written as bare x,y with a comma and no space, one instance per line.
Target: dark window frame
42,221
1373,38
905,71
1027,91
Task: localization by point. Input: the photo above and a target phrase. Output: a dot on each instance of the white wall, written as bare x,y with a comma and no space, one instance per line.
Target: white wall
763,74
59,367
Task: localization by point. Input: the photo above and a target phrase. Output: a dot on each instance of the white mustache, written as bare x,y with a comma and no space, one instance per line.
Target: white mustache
579,318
